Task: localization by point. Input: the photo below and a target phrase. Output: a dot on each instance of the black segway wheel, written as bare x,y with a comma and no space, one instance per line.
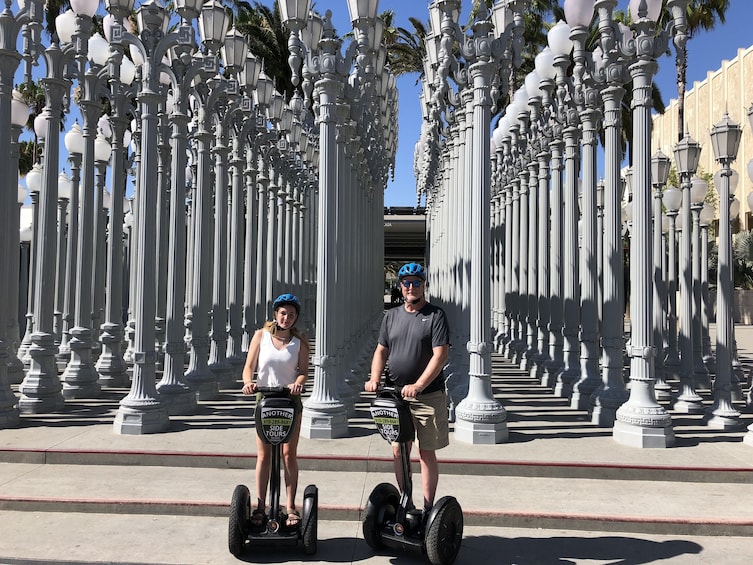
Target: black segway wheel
445,532
381,508
240,511
310,519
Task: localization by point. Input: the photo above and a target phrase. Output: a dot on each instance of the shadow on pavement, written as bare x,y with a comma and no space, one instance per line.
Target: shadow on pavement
616,550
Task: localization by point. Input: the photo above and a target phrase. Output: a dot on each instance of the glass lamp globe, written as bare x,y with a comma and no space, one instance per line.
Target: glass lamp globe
734,209
40,125
545,64
532,82
672,198
579,12
698,190
362,9
25,233
99,50
85,7
127,71
65,186
74,140
34,178
559,40
294,13
653,9
65,24
19,110
707,214
102,149
734,178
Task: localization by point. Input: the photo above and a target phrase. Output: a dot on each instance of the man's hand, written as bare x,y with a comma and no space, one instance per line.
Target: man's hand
248,388
411,391
371,386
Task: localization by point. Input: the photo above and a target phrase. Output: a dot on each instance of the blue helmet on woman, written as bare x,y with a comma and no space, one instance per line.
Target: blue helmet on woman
411,270
285,300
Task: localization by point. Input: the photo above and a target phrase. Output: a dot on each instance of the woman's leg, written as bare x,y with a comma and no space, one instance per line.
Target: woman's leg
290,461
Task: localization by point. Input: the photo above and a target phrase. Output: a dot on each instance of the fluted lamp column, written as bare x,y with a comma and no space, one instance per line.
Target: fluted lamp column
642,421
9,310
660,165
213,26
725,140
41,388
141,411
18,112
687,153
698,190
672,200
579,14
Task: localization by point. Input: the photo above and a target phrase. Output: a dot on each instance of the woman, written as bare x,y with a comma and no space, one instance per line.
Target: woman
279,355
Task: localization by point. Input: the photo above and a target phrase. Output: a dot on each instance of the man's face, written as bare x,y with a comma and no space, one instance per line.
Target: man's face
412,287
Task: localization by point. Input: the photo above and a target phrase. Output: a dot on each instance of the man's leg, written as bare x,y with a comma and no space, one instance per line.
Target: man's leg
429,475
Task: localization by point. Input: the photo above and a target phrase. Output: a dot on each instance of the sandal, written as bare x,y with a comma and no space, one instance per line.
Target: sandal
258,517
293,520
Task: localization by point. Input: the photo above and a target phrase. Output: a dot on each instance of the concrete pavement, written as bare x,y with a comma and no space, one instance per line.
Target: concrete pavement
560,491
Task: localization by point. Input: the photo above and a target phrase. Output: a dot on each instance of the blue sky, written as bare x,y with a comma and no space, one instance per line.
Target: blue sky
706,51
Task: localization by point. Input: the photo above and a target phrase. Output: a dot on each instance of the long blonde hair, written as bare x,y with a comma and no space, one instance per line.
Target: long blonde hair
272,327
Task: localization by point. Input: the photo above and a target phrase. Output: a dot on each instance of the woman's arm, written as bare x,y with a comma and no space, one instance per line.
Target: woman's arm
303,368
252,359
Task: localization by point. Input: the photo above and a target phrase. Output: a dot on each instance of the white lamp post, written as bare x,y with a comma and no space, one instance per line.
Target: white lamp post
725,140
641,421
672,199
687,153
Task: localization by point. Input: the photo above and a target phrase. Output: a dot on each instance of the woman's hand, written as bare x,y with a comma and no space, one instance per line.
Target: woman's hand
296,388
248,388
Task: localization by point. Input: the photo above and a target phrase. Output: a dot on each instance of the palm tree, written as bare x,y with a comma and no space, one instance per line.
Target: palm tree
702,15
406,49
267,39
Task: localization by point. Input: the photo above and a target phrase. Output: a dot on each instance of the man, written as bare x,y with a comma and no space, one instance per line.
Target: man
414,342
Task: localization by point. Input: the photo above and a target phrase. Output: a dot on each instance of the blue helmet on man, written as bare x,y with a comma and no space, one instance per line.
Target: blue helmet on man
411,270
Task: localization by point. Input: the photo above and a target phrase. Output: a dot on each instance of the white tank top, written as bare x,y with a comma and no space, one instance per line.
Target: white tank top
277,367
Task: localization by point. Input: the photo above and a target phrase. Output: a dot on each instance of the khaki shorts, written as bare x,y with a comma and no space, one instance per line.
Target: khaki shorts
430,417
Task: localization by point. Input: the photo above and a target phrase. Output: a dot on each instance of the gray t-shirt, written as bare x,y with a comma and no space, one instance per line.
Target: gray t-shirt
410,338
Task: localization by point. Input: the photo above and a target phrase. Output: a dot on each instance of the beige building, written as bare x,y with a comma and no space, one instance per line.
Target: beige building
727,89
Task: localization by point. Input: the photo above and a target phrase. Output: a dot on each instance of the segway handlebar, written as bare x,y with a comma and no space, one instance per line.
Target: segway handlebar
281,390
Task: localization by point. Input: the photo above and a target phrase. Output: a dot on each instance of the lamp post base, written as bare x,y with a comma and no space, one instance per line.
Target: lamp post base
178,398
324,422
479,420
41,388
477,433
634,435
146,419
721,417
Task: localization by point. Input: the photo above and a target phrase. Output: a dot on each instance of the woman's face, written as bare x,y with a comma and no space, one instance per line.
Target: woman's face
285,316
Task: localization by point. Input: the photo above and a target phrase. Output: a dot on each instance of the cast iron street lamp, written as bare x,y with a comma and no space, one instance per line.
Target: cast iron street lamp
725,140
641,421
41,388
141,411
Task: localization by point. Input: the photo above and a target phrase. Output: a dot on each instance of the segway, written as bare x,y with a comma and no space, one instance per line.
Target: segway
276,417
390,518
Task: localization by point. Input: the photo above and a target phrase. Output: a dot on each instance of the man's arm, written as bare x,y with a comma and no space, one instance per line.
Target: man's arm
431,372
378,363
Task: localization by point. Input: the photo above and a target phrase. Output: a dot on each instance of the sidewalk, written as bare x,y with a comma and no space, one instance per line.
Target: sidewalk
72,491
